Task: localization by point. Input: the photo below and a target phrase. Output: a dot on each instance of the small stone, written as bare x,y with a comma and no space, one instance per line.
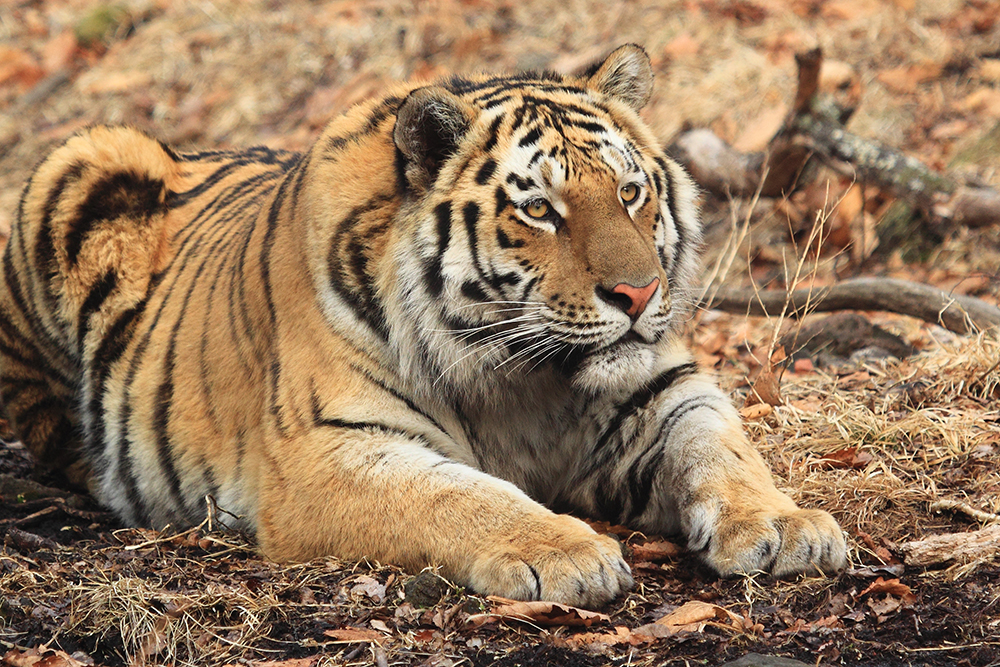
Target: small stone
425,590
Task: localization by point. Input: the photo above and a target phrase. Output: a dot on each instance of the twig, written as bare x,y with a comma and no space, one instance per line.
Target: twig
961,314
31,518
964,508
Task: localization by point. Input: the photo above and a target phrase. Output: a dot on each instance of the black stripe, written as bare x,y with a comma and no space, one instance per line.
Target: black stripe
124,193
472,290
399,396
486,171
501,200
363,301
98,294
530,138
522,184
642,475
432,271
506,242
602,452
385,109
45,256
493,134
11,387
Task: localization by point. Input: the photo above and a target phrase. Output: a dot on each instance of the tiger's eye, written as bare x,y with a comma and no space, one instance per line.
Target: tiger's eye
538,209
629,193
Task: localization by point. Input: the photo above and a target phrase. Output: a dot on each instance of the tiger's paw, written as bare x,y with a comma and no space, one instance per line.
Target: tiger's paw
780,541
563,560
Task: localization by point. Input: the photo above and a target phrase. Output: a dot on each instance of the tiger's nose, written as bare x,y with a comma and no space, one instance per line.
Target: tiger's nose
630,299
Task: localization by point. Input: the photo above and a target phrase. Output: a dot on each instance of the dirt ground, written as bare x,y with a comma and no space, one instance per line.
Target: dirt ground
877,440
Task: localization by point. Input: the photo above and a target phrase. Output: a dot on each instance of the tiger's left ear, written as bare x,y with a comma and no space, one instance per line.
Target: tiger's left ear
429,126
626,74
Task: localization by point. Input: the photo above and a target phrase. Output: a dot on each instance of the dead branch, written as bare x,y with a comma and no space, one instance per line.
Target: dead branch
815,128
965,508
967,547
957,313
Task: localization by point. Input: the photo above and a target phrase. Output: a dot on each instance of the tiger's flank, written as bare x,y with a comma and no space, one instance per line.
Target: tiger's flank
451,325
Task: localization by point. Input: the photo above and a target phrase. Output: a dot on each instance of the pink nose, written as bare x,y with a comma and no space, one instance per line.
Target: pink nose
633,300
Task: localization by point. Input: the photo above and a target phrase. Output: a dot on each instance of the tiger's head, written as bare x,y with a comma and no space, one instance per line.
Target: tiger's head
551,229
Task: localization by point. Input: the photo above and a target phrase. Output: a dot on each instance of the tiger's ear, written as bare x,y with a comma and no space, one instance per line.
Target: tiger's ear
429,126
626,74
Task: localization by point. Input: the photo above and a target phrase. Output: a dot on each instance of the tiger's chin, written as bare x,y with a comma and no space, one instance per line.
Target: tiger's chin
621,368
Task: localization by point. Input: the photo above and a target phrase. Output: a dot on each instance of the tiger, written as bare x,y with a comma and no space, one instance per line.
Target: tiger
441,337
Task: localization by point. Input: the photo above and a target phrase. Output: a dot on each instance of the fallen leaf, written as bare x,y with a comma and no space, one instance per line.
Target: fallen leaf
848,457
369,587
693,616
892,587
538,612
34,657
906,79
621,635
655,551
115,82
606,528
884,607
803,366
59,51
356,635
756,411
765,389
18,66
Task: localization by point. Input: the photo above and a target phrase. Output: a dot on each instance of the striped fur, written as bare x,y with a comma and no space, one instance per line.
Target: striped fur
383,348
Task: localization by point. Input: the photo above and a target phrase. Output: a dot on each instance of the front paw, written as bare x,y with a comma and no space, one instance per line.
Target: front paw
560,560
782,541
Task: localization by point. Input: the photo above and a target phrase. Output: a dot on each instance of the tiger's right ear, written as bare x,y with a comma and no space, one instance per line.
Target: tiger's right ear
429,126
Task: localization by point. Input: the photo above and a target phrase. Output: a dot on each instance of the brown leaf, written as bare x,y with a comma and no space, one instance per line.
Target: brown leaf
655,551
19,67
693,616
606,528
884,607
621,635
538,612
756,411
34,657
356,635
848,457
765,389
892,587
906,79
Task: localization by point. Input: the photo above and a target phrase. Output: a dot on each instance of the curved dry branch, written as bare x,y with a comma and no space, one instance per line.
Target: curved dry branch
957,313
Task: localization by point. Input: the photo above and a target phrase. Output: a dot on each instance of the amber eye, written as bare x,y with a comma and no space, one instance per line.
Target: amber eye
629,193
538,209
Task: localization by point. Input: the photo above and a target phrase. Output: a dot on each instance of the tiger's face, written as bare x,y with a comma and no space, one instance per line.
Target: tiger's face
559,235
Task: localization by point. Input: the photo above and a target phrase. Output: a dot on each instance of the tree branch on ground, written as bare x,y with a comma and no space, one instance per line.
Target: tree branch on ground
815,128
958,313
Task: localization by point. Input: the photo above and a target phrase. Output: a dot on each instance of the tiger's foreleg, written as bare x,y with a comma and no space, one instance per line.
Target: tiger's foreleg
680,462
376,493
